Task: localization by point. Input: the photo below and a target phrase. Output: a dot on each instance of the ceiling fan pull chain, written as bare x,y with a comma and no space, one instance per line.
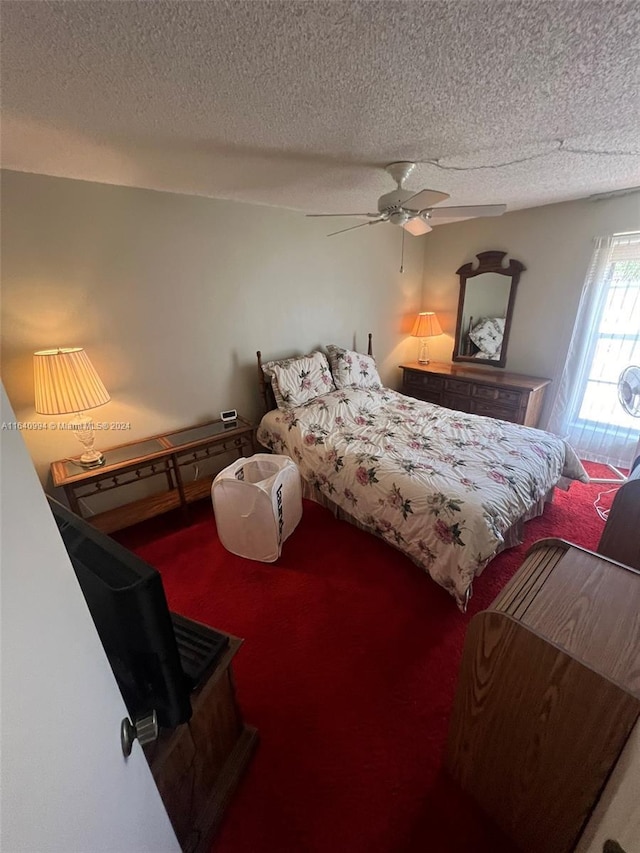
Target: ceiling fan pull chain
402,253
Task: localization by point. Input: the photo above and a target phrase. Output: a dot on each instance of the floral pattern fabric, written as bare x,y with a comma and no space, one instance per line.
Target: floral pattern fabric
440,485
352,369
487,335
295,381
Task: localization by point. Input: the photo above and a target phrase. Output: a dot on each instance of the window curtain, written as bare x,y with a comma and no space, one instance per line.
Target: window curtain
606,339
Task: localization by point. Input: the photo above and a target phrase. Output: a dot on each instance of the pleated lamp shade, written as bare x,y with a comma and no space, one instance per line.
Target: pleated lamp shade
66,382
426,325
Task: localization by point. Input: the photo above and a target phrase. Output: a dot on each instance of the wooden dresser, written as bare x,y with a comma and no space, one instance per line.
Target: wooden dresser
549,691
508,396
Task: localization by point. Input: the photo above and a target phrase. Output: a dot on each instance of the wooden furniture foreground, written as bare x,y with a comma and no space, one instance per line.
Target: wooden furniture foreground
617,816
161,457
198,765
620,538
507,396
549,691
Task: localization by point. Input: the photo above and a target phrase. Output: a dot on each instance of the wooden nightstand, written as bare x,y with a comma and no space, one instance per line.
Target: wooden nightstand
159,456
508,396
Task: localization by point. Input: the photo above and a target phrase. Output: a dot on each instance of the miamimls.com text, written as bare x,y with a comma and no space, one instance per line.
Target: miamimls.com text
37,426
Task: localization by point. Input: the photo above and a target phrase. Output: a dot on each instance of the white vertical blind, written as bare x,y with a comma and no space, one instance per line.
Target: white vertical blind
606,339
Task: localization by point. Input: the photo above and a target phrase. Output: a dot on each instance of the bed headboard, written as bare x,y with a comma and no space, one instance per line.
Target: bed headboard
266,391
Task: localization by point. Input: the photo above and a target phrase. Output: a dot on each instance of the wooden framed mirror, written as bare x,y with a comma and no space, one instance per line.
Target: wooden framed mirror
485,309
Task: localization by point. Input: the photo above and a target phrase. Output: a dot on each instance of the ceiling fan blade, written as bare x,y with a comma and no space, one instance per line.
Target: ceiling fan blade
362,224
315,215
468,211
424,199
417,227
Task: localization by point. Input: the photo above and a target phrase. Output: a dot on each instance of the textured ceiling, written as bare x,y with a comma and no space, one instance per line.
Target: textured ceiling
299,104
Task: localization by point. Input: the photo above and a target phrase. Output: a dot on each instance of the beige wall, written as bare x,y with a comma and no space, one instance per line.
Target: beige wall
172,295
555,244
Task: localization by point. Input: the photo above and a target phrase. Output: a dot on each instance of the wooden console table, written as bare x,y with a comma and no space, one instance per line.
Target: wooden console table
508,396
159,456
198,765
549,691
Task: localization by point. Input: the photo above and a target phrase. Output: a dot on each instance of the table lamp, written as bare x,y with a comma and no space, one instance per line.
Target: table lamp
67,383
426,326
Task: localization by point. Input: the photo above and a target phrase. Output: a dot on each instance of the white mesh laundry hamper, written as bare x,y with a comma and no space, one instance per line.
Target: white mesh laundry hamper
257,503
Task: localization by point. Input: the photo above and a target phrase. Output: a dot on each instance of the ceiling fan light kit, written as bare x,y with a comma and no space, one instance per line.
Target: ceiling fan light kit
411,210
417,227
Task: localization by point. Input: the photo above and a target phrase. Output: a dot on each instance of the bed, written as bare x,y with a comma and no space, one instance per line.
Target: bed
450,490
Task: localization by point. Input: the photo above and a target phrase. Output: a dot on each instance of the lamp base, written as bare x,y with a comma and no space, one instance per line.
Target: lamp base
423,355
91,459
83,428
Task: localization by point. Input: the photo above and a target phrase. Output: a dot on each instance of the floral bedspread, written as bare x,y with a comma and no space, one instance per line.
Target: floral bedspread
440,485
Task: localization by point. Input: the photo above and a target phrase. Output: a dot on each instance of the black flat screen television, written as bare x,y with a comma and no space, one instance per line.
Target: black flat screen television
156,656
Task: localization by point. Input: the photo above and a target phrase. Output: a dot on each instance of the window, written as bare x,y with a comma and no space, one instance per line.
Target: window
616,344
606,339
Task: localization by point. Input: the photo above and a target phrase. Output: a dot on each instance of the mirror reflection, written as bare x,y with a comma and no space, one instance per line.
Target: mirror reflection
487,294
483,316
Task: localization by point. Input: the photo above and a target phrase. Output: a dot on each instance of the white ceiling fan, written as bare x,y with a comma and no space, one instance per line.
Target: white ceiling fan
412,210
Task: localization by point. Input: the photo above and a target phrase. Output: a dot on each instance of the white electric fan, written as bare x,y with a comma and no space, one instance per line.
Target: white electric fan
629,396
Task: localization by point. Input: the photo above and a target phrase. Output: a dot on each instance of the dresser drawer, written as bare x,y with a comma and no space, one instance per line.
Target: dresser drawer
492,410
422,381
457,402
428,397
458,386
507,396
500,395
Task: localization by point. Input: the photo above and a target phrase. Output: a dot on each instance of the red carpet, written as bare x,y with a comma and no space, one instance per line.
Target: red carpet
348,671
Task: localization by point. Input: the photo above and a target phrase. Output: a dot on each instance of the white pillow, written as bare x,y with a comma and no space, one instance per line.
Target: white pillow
300,380
486,356
488,335
353,369
267,369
